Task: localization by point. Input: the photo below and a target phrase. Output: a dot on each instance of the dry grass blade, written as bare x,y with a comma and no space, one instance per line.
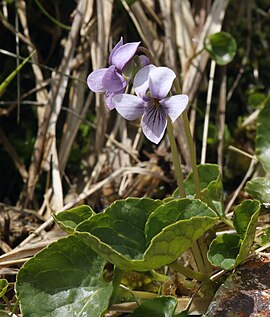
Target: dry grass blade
169,45
198,63
41,91
145,28
184,32
25,252
207,111
197,66
57,200
221,116
73,122
48,126
11,28
249,173
77,103
99,53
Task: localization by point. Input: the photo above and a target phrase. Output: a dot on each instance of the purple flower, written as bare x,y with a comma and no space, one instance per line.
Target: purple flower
110,81
151,85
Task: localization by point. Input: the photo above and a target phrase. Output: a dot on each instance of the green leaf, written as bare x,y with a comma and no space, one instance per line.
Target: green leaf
243,214
210,185
125,235
221,47
163,306
229,250
242,221
69,219
121,226
8,80
259,188
256,99
3,287
117,234
263,137
173,212
65,279
224,250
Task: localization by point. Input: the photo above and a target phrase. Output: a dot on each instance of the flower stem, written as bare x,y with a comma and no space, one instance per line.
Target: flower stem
191,146
7,302
192,155
158,276
187,272
176,159
198,257
199,252
117,276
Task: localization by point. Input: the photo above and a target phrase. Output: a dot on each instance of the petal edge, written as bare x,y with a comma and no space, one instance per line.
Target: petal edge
124,54
160,82
113,81
175,105
94,80
129,106
154,123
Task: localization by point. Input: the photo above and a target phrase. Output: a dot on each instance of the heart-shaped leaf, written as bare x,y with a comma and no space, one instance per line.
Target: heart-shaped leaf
173,212
243,214
65,279
210,185
263,137
221,47
69,219
223,250
163,306
121,226
229,250
259,188
123,235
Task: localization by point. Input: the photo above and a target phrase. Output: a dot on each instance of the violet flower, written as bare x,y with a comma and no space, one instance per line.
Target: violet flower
151,85
110,81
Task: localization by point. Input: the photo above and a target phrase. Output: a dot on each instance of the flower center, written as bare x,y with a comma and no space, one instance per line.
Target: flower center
156,111
157,105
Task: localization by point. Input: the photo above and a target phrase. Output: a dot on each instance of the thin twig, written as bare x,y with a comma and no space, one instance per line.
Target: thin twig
53,70
221,117
13,154
17,64
21,210
207,111
242,184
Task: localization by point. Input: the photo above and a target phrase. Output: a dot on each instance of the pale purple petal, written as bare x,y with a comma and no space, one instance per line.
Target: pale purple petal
117,45
144,60
94,80
124,54
160,82
154,123
141,81
109,98
175,105
113,81
129,106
